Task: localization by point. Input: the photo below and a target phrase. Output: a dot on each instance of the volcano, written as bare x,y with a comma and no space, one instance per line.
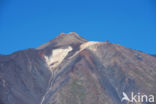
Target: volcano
72,70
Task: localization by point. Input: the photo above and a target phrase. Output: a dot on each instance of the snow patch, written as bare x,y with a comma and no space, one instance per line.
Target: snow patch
57,56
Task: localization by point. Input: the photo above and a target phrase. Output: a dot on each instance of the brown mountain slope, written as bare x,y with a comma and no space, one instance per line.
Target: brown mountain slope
72,70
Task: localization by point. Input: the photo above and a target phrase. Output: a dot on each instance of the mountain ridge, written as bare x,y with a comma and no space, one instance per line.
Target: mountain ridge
72,70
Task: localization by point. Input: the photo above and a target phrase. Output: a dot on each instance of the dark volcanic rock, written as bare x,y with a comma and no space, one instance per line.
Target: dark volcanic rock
72,70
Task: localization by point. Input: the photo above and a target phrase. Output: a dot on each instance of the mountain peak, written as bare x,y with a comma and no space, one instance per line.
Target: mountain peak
64,39
72,70
69,35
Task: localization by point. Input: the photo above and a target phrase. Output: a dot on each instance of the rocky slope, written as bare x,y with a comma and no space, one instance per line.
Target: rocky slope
72,70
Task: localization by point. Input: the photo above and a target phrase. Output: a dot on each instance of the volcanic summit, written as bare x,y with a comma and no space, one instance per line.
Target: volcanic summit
72,70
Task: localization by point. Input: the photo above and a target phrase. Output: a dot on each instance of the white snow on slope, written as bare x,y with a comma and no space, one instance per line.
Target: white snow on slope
57,56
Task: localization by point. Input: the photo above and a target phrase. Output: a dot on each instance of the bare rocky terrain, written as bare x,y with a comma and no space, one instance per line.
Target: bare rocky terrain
72,70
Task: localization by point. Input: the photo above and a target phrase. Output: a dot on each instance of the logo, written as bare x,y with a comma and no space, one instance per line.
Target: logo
137,97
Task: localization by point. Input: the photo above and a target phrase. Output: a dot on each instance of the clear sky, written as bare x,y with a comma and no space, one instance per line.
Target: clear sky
30,23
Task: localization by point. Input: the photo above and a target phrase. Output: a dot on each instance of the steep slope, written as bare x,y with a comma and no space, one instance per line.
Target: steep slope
23,78
72,70
99,73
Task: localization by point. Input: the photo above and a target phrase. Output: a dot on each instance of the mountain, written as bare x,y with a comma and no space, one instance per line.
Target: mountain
72,70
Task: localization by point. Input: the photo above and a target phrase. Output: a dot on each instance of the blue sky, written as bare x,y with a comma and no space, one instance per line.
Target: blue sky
30,23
